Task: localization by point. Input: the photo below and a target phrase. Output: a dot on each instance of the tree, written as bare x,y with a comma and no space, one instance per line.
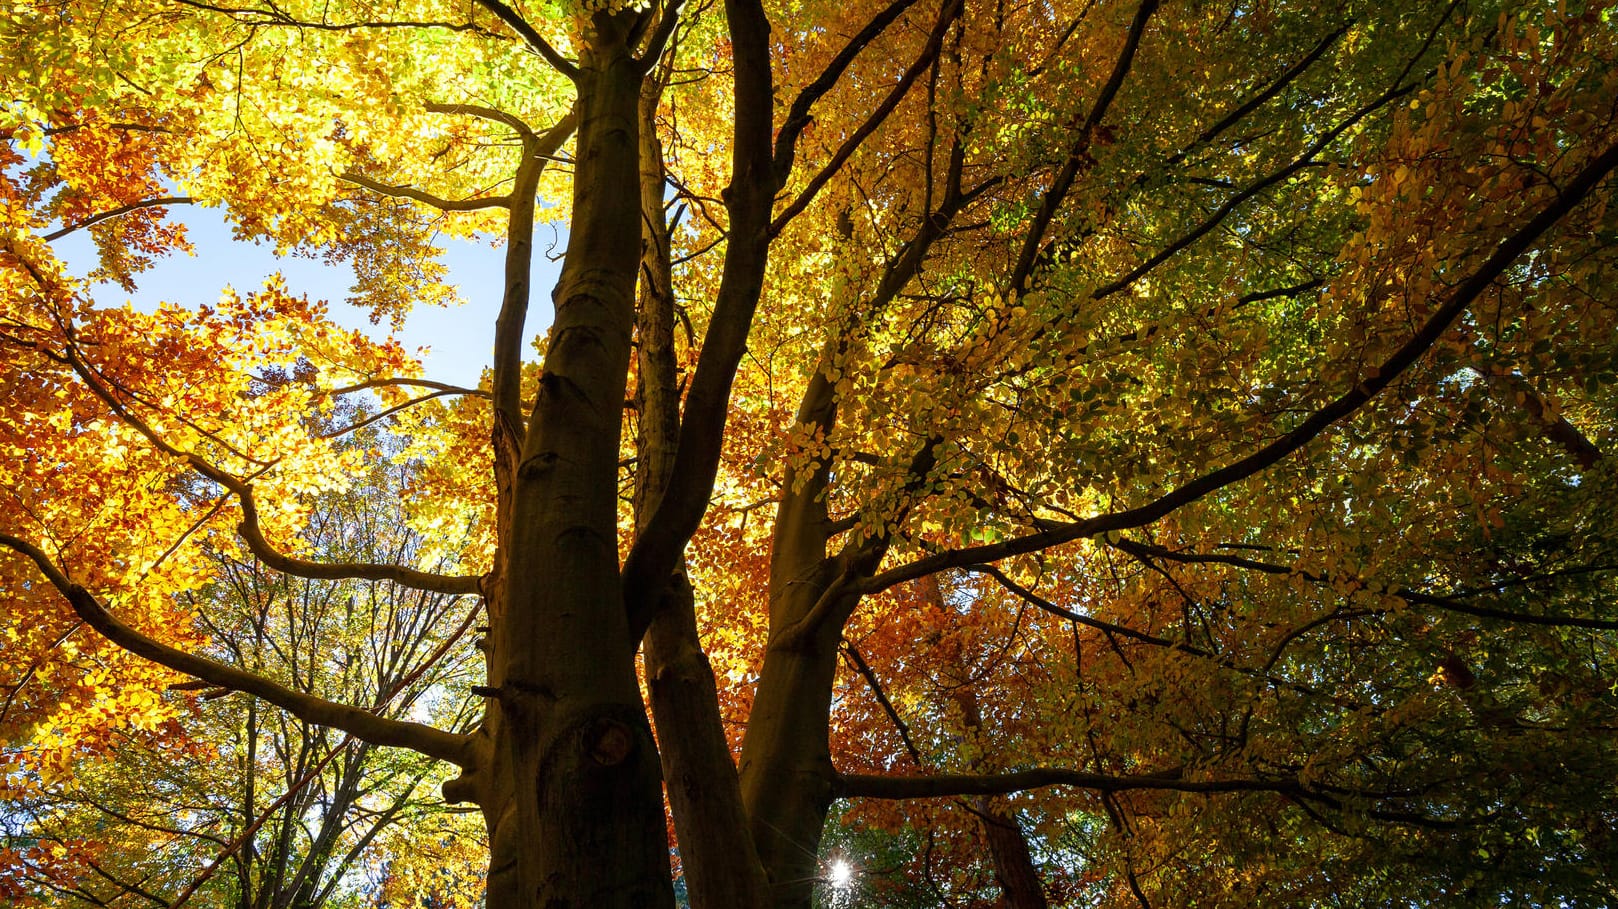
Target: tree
231,805
1200,408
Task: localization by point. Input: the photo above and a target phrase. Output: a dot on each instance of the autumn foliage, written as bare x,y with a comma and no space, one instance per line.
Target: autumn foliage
1103,454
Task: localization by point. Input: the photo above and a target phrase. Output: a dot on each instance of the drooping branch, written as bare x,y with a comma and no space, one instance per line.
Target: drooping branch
248,529
384,414
118,212
944,785
1573,192
362,724
1451,602
857,660
1108,628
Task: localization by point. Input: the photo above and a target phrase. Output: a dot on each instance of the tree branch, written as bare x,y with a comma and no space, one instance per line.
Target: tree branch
1579,186
666,23
798,117
362,724
423,383
485,113
658,548
1448,602
535,40
116,213
947,14
248,529
877,786
1078,157
405,192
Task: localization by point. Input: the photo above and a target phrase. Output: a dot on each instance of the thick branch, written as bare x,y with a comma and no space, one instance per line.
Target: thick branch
749,198
661,35
485,113
1505,254
535,40
249,531
508,326
363,724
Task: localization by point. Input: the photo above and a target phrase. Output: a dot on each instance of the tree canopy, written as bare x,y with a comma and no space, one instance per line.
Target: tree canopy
1069,453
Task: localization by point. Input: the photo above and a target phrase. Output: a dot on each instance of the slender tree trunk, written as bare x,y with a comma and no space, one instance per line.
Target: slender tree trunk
721,869
1014,868
1020,884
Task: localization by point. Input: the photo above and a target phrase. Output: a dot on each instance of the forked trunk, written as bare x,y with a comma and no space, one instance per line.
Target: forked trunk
570,782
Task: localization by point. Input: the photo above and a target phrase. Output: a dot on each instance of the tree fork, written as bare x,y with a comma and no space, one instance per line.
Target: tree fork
572,794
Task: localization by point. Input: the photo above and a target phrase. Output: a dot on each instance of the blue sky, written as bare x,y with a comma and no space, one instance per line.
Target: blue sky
459,340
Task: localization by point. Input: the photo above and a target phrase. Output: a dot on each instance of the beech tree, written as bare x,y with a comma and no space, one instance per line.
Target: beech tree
1160,446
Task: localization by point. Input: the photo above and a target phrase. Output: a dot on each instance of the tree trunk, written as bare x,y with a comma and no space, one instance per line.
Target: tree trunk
570,781
786,768
1020,884
720,867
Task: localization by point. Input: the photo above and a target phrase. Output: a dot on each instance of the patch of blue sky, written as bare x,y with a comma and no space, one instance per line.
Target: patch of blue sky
455,343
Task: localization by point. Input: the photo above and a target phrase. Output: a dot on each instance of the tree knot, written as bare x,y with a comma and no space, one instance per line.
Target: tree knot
609,742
